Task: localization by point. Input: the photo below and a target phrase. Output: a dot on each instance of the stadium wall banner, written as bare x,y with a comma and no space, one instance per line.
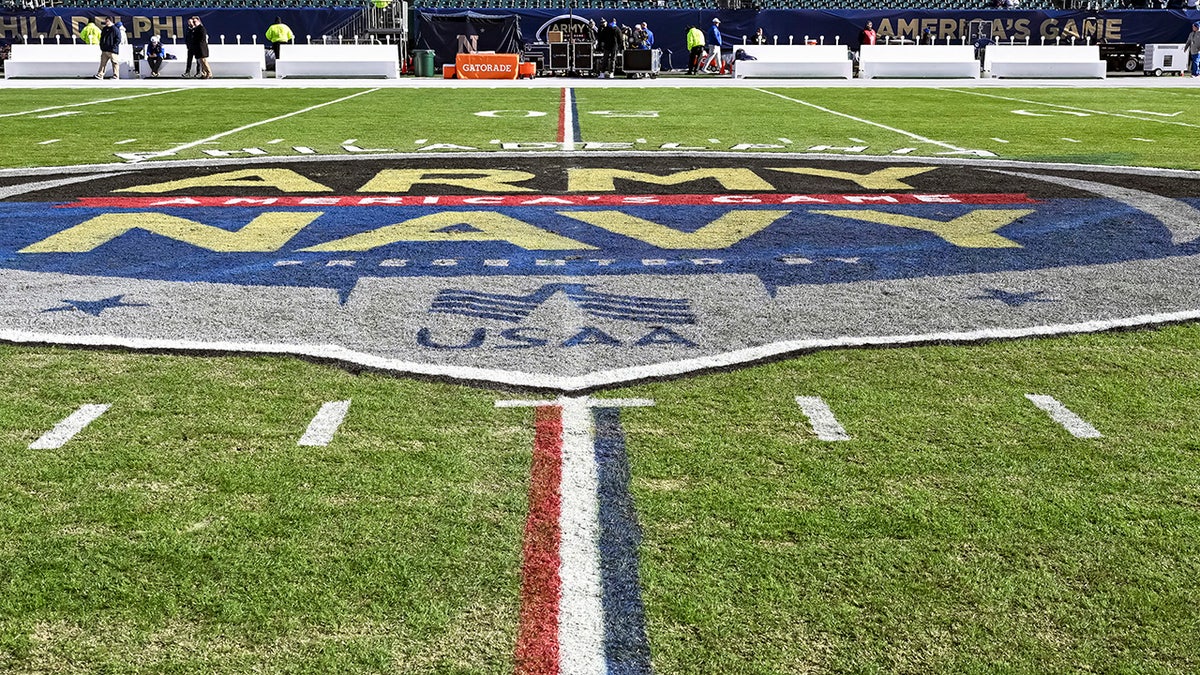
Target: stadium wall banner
61,23
531,270
842,26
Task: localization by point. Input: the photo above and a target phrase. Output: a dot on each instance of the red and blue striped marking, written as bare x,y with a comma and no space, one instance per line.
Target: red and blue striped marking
568,120
581,603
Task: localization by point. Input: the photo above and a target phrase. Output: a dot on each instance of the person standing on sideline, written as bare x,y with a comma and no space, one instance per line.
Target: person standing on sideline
1193,49
110,46
648,43
867,35
714,46
155,55
199,45
191,54
611,43
279,33
695,45
759,38
90,34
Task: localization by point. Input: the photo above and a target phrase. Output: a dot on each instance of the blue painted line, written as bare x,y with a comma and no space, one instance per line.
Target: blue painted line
626,648
576,135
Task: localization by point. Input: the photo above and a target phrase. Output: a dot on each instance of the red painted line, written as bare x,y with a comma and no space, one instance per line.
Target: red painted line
537,632
563,102
553,201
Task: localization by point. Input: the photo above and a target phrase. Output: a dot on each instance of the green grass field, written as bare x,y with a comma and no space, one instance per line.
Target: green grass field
959,531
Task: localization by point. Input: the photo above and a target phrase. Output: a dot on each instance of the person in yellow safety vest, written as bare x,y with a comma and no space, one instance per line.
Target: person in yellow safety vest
278,34
90,34
695,45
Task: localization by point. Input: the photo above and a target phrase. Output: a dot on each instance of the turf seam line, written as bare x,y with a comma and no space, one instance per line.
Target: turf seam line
325,424
1060,413
78,105
823,422
69,427
242,128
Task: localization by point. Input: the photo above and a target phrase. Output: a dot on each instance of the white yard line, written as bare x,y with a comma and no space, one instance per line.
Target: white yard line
52,140
1063,415
185,146
908,134
78,105
1072,108
824,424
581,612
66,429
325,424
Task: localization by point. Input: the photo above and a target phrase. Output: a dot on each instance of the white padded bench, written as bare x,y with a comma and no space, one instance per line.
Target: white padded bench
223,61
794,61
1044,61
61,60
917,61
342,60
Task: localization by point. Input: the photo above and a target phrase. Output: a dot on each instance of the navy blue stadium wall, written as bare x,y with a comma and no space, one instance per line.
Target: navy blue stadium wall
669,25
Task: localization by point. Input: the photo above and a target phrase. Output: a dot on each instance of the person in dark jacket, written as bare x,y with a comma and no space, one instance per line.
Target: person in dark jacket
199,45
612,42
110,46
191,55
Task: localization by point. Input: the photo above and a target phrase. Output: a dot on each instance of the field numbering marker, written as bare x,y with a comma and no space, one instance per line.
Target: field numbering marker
325,424
66,429
581,605
824,424
1063,415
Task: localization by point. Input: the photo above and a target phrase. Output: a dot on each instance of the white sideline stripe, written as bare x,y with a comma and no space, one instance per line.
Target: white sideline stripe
824,424
1063,415
325,424
242,128
66,429
908,134
78,105
1071,107
52,140
581,612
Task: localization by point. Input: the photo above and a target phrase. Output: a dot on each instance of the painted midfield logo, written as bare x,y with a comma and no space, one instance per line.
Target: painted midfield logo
576,275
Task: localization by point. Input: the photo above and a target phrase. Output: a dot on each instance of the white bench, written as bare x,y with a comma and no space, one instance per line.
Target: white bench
794,61
917,61
1044,61
322,60
61,60
223,61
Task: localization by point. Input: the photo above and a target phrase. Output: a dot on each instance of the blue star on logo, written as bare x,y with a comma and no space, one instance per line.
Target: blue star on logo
1011,299
94,307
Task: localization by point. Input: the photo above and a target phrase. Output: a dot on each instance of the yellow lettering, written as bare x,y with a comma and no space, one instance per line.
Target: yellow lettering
485,226
723,232
483,180
884,179
267,232
284,180
977,229
604,180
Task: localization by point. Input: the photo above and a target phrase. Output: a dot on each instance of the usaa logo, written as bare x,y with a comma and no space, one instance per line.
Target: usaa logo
583,271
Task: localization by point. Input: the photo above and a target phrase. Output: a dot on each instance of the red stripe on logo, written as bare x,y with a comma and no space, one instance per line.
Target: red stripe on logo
553,201
537,633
